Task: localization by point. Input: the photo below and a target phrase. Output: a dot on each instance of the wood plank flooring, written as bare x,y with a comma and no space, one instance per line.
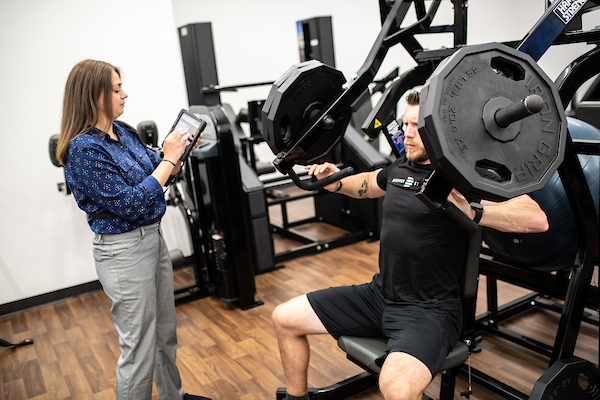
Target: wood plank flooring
229,354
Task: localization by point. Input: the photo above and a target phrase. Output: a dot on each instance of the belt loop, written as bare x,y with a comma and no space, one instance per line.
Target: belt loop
143,231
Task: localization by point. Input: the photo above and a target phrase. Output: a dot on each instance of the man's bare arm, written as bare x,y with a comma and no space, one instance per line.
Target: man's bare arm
520,214
360,186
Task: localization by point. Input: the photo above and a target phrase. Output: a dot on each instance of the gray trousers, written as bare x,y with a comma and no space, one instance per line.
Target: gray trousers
136,273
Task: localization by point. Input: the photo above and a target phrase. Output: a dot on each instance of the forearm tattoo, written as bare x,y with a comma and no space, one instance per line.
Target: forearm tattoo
363,189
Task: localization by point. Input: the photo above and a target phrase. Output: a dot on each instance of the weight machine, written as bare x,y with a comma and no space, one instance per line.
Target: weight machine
361,220
308,139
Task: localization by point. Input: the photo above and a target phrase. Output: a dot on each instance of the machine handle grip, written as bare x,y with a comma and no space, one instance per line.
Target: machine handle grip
460,217
318,184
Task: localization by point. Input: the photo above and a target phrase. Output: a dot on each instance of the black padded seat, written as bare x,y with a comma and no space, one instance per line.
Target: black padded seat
366,350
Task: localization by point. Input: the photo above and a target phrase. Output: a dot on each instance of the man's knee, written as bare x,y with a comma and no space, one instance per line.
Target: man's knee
277,317
281,316
403,377
393,390
296,317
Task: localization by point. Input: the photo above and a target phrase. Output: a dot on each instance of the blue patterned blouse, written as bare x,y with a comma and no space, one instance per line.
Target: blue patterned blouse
112,176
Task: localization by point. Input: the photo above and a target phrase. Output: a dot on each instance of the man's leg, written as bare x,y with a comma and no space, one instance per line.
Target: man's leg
403,377
293,321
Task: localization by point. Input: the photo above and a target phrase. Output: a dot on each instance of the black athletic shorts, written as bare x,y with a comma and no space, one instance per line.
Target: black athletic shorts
423,330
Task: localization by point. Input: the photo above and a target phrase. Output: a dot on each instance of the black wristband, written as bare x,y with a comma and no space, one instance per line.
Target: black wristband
170,162
478,208
339,187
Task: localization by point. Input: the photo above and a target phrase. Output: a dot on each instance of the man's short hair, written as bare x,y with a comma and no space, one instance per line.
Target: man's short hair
413,98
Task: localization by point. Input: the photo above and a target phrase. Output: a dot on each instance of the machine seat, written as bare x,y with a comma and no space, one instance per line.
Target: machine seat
365,350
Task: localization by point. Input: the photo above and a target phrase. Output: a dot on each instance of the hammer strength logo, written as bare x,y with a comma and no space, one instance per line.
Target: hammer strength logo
567,9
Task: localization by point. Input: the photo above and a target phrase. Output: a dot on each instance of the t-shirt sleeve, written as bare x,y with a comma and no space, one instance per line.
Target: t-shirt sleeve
383,174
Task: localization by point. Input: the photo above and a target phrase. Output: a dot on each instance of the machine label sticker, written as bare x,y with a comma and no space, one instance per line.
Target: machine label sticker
567,9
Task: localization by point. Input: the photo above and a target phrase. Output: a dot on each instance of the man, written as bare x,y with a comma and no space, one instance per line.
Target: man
414,301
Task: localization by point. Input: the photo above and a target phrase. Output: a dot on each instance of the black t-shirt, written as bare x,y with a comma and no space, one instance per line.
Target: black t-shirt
422,251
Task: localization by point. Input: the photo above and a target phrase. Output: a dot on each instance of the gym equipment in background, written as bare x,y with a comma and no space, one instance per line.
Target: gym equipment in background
52,143
148,133
315,40
200,72
226,216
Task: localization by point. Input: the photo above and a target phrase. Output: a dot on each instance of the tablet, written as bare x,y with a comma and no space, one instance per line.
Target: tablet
192,124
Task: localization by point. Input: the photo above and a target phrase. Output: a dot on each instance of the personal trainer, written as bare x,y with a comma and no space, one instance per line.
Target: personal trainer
414,300
118,182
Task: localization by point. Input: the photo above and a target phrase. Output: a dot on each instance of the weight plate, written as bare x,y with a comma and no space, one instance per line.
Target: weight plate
277,84
293,103
569,379
275,96
451,122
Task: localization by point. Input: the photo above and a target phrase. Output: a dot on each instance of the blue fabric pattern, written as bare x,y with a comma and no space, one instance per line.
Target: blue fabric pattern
112,176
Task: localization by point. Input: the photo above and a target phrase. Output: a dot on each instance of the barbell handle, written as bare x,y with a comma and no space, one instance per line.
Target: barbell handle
460,217
318,184
530,105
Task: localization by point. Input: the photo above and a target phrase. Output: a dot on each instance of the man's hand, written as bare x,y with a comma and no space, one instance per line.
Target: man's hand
321,171
461,202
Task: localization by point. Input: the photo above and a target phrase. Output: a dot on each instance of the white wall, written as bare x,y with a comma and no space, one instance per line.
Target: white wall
45,243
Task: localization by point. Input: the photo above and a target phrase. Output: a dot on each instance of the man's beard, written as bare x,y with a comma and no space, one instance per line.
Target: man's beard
420,156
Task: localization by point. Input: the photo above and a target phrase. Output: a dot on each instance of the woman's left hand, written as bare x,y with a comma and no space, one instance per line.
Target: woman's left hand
197,144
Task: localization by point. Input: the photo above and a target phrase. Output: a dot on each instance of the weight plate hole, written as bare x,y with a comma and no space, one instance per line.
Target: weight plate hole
286,133
583,381
496,171
508,68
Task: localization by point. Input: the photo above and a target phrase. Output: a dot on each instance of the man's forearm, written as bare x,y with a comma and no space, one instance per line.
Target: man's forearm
520,214
360,186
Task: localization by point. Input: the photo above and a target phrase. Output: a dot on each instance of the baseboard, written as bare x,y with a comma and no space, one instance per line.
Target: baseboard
49,298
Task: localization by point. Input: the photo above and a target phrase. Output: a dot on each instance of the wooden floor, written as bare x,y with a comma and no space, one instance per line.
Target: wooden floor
226,353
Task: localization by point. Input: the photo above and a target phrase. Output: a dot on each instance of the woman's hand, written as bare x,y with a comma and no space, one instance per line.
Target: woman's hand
174,145
197,144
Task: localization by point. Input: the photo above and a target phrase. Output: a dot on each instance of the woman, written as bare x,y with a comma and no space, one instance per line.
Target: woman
118,182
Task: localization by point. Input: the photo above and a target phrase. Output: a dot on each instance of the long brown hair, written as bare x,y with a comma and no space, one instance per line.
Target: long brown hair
87,80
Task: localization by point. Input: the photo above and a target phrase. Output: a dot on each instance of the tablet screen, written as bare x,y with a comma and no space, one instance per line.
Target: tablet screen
188,122
193,125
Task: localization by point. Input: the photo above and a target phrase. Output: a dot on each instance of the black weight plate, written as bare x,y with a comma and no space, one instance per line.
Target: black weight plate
277,84
456,139
275,96
569,379
305,91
